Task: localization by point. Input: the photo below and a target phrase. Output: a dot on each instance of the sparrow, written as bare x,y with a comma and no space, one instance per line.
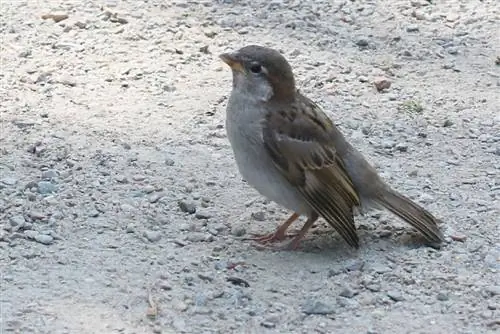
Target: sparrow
291,152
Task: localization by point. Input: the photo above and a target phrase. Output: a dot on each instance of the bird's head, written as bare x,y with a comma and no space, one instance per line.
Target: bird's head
261,72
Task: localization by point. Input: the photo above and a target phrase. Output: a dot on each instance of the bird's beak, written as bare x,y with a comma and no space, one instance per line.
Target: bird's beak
233,60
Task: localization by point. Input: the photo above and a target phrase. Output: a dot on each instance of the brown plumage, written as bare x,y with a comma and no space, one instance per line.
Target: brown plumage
285,144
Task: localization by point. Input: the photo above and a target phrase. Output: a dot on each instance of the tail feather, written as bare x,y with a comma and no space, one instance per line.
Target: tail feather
412,213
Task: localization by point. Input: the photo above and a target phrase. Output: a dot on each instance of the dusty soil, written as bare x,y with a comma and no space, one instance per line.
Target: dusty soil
121,207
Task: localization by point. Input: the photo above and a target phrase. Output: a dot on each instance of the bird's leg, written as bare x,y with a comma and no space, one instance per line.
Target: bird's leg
294,244
279,234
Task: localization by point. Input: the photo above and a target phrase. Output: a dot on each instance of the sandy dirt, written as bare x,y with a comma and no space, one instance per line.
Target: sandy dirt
121,208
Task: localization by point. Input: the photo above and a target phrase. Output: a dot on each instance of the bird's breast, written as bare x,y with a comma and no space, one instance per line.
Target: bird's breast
244,131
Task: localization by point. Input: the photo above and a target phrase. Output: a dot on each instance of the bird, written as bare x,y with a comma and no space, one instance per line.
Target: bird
291,152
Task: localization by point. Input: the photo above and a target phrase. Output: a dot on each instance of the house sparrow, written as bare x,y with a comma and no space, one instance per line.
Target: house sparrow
293,154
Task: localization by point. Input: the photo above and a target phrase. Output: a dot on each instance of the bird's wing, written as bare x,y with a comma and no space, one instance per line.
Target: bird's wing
299,138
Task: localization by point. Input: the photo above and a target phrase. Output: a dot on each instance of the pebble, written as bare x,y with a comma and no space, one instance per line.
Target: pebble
317,307
238,231
492,291
373,287
56,16
121,179
149,189
45,187
199,237
203,214
36,215
152,236
17,221
395,295
458,237
419,15
30,234
382,83
126,207
138,177
188,207
491,259
206,277
355,265
442,296
362,42
347,292
154,198
9,181
180,306
402,147
200,300
447,123
380,269
93,213
44,239
268,324
49,174
259,215
412,28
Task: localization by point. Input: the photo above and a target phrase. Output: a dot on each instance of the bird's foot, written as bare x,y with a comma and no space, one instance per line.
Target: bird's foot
288,246
275,236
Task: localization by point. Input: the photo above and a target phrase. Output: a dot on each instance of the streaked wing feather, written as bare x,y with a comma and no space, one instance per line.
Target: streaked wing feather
298,140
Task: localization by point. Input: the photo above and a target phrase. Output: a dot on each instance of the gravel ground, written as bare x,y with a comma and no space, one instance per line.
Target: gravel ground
121,209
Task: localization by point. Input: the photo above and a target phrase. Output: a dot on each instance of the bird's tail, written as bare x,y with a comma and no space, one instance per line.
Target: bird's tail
412,213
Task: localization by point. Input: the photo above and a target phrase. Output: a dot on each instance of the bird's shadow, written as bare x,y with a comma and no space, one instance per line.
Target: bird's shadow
327,243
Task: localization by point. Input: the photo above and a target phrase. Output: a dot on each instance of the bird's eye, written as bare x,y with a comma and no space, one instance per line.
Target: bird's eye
256,68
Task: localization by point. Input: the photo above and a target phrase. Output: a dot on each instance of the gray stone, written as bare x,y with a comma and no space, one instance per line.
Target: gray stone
153,198
152,236
188,207
442,297
268,324
46,187
9,181
259,215
380,268
373,287
412,28
492,291
199,237
206,277
203,214
238,231
362,42
17,221
93,213
36,215
317,307
388,144
395,295
355,265
347,292
44,239
49,174
30,234
402,147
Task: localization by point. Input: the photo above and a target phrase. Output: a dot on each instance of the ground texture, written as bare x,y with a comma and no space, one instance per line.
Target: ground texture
121,209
